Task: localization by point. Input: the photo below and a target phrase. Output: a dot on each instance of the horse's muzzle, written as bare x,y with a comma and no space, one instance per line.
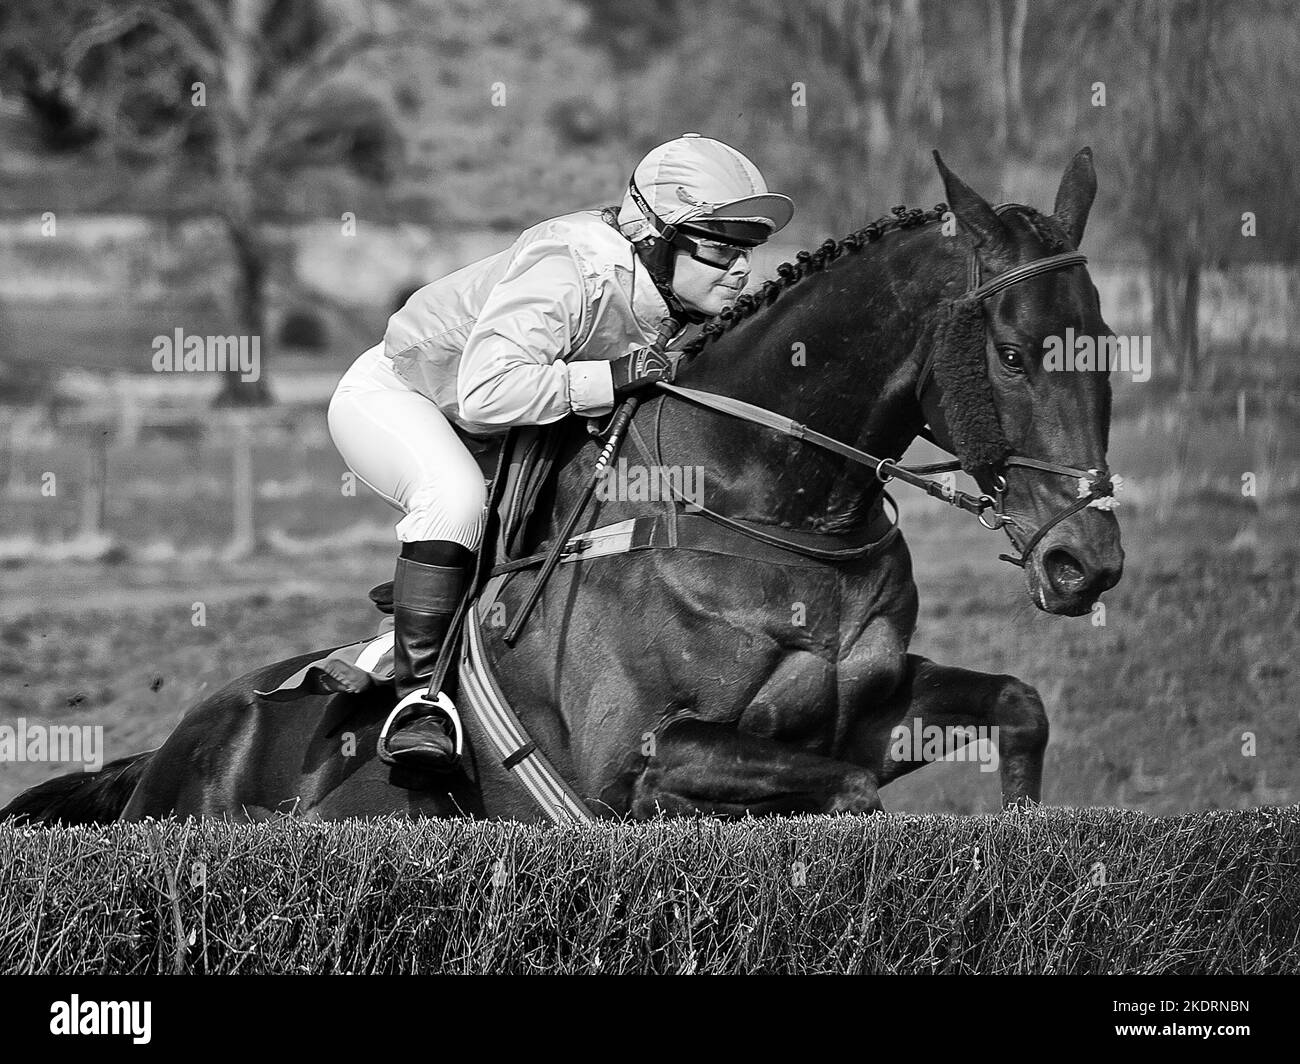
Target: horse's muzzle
1073,569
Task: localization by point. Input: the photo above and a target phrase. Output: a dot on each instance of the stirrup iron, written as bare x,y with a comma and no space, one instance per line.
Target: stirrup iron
421,697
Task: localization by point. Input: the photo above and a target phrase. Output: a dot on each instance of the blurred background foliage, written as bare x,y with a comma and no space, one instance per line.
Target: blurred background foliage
453,115
386,106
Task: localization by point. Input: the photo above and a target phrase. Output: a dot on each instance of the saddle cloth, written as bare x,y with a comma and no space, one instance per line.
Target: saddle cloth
373,656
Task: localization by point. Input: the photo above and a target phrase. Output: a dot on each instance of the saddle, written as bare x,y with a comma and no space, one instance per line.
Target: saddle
525,465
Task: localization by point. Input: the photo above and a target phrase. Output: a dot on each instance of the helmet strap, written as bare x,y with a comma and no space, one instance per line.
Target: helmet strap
656,253
657,257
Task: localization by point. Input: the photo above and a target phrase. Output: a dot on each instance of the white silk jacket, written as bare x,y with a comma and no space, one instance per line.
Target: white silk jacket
526,336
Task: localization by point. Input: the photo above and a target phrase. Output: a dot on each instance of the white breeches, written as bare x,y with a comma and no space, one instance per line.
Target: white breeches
403,448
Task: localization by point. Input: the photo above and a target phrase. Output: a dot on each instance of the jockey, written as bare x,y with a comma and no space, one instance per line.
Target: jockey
560,323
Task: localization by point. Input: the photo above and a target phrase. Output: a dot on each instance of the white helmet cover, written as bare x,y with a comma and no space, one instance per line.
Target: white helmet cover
693,179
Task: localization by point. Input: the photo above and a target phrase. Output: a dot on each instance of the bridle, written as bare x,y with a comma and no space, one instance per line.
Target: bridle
1096,488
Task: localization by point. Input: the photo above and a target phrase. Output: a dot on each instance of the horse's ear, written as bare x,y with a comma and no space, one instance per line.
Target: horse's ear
1074,197
974,214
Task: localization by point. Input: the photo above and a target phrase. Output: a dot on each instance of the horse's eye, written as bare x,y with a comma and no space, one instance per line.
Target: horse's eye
1011,358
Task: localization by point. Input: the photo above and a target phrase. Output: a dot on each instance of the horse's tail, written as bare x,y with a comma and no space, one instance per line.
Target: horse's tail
80,797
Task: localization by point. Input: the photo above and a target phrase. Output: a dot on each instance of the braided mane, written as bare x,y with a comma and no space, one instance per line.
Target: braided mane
807,263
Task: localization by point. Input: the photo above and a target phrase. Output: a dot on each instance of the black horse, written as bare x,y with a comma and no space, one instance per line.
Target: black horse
684,680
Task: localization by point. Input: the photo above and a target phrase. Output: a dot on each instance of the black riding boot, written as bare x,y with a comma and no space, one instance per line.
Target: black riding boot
425,597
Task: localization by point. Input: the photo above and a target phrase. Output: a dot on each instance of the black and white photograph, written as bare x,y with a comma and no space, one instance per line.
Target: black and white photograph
649,487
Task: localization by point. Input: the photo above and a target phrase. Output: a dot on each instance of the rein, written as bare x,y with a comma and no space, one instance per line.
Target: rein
1096,489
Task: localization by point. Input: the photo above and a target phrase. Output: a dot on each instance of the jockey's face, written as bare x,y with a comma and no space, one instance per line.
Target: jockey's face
708,289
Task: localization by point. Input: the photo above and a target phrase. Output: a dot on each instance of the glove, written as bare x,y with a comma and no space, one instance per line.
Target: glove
637,371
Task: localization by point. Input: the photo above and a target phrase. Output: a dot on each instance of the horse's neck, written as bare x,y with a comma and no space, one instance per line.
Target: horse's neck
837,352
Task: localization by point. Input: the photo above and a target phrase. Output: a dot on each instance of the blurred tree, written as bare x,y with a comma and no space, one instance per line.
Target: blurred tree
32,37
237,98
837,100
893,105
1200,119
444,112
1007,42
506,113
632,30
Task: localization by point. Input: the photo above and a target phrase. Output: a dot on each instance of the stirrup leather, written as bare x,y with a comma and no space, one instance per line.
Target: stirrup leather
441,703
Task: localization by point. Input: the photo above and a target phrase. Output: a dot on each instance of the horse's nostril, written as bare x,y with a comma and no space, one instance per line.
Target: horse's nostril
1065,571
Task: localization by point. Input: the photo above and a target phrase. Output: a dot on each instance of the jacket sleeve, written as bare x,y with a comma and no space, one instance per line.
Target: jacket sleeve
512,371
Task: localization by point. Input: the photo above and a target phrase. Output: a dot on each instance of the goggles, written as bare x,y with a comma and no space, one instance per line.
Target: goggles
711,252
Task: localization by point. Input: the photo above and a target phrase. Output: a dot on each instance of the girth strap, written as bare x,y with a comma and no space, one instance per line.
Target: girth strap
692,531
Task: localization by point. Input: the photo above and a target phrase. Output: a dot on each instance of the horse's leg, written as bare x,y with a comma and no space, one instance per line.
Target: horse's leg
947,697
697,766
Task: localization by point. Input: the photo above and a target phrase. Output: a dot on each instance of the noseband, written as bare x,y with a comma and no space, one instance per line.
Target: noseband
1096,488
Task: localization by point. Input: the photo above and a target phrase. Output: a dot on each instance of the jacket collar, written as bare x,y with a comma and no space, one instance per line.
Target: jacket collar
650,304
